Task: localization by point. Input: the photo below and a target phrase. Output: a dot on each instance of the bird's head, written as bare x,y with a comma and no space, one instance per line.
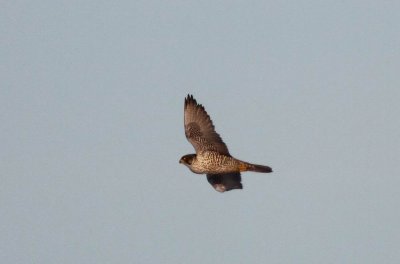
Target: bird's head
187,159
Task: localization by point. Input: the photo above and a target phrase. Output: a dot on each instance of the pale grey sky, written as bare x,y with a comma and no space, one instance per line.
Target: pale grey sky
91,107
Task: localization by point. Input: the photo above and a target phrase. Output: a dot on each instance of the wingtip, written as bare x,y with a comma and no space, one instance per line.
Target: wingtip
190,100
222,188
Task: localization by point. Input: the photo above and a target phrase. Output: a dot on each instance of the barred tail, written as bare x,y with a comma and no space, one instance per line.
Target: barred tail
258,168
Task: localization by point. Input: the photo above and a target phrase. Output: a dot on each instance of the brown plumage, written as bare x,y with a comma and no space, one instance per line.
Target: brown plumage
212,156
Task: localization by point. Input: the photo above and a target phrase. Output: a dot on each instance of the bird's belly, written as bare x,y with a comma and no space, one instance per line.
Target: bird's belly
214,163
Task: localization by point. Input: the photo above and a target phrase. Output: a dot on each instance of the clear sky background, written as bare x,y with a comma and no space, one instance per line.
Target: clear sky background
91,107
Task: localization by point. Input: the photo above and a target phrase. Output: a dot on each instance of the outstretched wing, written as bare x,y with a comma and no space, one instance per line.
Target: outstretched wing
225,182
199,129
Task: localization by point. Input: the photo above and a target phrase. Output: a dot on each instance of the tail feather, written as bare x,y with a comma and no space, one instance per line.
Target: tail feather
258,168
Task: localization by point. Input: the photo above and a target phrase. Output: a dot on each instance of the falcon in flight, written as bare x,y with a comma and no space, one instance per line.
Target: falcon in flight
212,156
